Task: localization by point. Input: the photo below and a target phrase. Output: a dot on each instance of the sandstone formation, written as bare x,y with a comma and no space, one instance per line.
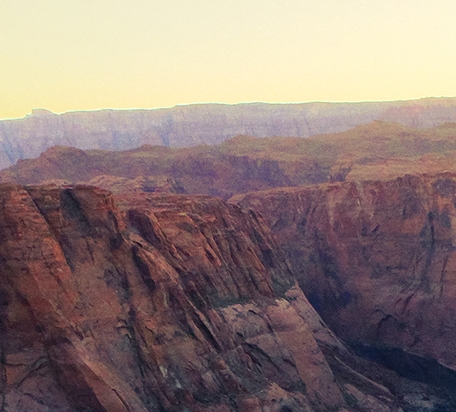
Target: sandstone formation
150,300
217,171
204,124
375,258
160,303
379,150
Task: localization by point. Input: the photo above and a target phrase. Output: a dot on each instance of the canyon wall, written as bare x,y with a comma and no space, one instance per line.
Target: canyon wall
161,303
377,259
378,151
204,124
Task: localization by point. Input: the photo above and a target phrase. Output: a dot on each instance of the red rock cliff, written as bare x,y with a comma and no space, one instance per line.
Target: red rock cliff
377,259
165,304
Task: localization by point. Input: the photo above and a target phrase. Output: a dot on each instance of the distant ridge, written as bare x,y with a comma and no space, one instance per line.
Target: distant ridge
376,151
183,126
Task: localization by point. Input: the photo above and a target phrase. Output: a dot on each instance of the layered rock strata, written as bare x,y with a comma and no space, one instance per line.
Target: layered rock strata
161,304
377,259
204,124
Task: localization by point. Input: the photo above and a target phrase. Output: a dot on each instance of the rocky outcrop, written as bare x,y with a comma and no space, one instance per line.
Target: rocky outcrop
158,303
217,171
376,258
204,124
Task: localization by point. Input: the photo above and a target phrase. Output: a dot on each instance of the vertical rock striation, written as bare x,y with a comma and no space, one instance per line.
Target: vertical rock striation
376,259
166,303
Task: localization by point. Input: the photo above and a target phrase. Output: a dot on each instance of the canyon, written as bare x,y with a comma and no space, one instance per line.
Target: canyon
376,259
160,304
167,302
378,150
254,275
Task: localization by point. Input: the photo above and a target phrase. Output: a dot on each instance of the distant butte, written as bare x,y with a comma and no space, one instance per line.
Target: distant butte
42,113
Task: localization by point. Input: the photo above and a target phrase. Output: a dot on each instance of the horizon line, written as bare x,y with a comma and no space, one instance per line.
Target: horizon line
50,112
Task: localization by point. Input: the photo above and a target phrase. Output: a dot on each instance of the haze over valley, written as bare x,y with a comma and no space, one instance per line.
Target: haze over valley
207,269
232,206
184,126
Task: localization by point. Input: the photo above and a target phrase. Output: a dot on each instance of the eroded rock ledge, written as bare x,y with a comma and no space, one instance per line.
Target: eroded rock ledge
377,259
186,303
165,303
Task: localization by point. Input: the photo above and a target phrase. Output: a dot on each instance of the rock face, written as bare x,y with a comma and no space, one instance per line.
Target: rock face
204,124
161,303
377,259
379,150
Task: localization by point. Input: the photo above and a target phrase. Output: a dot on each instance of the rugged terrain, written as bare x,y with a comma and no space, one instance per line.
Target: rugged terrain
378,150
175,303
160,304
205,124
333,295
375,258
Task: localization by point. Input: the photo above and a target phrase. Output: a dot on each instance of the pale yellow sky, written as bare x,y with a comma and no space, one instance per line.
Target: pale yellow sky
89,54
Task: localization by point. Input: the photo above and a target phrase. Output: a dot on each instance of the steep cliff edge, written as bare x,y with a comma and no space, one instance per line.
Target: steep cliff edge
377,259
159,304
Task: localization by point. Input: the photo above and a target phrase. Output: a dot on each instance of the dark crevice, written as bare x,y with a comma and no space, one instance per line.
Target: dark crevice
143,269
142,223
72,210
442,275
206,332
78,393
179,314
414,367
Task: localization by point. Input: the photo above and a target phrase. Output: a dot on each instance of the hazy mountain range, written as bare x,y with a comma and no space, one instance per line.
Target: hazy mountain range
183,126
